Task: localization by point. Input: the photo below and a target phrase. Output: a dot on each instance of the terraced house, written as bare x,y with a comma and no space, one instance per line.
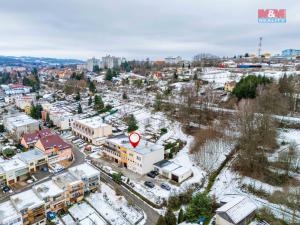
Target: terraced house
88,175
73,187
31,207
53,196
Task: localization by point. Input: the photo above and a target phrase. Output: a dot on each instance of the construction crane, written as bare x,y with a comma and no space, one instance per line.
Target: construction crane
259,46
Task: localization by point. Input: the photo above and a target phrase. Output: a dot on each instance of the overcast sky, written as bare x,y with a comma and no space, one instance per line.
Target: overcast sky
143,28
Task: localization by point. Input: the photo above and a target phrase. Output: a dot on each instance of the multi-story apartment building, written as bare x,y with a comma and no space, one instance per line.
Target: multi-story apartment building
139,159
173,60
35,159
55,148
73,187
53,196
111,61
31,207
90,63
9,215
92,129
89,175
18,124
14,170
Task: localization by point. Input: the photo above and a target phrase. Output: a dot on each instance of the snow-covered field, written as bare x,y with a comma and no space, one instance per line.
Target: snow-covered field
114,208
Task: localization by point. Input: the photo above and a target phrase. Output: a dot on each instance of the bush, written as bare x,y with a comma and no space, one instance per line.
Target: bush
8,152
201,205
117,177
163,131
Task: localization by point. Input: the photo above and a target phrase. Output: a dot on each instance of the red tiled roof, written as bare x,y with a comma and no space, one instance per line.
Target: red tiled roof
34,137
54,140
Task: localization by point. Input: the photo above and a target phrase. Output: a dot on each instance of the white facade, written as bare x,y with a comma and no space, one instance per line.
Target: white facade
15,170
90,63
92,129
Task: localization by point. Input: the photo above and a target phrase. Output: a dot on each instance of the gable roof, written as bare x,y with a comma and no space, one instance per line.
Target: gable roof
54,140
31,138
238,209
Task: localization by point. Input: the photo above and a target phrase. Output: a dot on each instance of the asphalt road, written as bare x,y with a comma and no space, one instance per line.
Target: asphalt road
152,215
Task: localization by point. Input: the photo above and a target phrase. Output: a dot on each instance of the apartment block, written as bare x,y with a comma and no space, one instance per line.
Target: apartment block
88,175
31,207
139,159
92,129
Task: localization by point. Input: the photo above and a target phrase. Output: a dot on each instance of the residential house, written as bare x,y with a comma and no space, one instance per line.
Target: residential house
92,129
229,86
30,206
238,211
35,159
89,175
9,215
73,187
29,139
55,148
53,196
15,170
139,159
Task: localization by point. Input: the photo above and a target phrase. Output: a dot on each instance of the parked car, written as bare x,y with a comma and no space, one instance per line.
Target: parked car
149,184
6,189
151,174
165,186
155,172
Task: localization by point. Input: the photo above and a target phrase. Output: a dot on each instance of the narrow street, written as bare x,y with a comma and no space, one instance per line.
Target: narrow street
152,215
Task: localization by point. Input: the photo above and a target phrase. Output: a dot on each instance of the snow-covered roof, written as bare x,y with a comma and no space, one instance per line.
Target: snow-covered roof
7,212
84,171
65,179
171,167
26,200
181,171
48,189
238,209
31,155
13,164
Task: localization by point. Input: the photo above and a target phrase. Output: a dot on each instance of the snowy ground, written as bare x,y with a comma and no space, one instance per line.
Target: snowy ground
114,208
68,220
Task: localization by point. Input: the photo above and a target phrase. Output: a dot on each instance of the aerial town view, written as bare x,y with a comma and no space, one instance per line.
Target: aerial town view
143,112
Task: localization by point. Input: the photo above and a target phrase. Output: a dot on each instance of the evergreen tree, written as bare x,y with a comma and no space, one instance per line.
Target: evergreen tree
180,216
98,105
131,123
92,87
124,96
79,109
47,118
90,100
109,75
161,221
170,218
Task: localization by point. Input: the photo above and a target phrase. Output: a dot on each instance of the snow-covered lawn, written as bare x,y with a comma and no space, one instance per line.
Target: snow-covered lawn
114,208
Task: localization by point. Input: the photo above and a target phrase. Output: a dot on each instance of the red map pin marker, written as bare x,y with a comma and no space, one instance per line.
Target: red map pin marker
134,139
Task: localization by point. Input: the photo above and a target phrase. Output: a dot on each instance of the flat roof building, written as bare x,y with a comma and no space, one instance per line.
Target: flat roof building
139,159
92,129
9,215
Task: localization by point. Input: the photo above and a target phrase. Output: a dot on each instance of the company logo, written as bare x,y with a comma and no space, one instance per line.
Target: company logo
272,16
